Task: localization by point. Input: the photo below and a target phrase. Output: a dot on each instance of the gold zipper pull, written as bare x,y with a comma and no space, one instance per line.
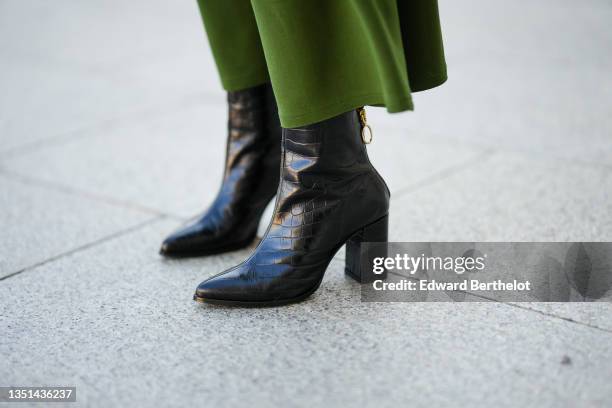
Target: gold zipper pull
366,130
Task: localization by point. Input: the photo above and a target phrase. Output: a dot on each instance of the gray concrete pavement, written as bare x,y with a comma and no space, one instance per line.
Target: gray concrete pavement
111,123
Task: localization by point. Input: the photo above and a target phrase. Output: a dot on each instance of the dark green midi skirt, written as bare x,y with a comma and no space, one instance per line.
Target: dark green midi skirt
326,57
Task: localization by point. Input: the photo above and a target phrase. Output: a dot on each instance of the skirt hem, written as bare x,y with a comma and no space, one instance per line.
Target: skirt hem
393,104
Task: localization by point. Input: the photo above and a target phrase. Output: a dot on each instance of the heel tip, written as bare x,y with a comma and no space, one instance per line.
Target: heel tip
368,278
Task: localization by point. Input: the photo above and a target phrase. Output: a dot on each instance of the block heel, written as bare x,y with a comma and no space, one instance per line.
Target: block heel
378,231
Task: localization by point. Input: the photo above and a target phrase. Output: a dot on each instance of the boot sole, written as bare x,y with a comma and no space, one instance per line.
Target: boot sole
262,303
214,251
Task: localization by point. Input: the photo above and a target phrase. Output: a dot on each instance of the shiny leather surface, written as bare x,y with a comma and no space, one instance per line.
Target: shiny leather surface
328,191
249,182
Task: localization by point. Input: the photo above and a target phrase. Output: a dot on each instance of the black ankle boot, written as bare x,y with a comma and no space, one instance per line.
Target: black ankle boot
249,182
329,194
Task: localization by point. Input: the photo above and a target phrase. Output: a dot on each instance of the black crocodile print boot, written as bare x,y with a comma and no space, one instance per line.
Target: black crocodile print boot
329,194
249,182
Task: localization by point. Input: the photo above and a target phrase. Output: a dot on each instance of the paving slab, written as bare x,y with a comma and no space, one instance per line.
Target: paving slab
39,223
128,315
171,163
59,79
524,81
113,40
38,103
513,197
43,106
510,197
405,160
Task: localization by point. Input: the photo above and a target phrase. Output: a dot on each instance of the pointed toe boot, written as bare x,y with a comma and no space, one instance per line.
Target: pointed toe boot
250,179
329,194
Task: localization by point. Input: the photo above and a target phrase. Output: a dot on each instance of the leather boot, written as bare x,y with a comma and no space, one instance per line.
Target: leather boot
249,182
329,194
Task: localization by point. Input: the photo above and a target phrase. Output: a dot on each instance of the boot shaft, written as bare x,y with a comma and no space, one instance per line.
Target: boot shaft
253,126
333,145
331,155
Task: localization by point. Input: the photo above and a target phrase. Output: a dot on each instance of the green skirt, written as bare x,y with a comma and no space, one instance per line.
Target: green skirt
326,57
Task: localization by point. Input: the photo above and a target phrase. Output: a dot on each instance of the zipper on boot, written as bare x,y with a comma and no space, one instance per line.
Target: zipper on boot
366,130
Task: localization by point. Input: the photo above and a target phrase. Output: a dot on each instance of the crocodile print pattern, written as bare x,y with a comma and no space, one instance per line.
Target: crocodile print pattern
249,182
328,191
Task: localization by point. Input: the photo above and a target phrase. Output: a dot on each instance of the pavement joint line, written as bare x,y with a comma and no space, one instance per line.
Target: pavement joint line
445,173
61,188
91,130
516,305
433,138
86,246
567,319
